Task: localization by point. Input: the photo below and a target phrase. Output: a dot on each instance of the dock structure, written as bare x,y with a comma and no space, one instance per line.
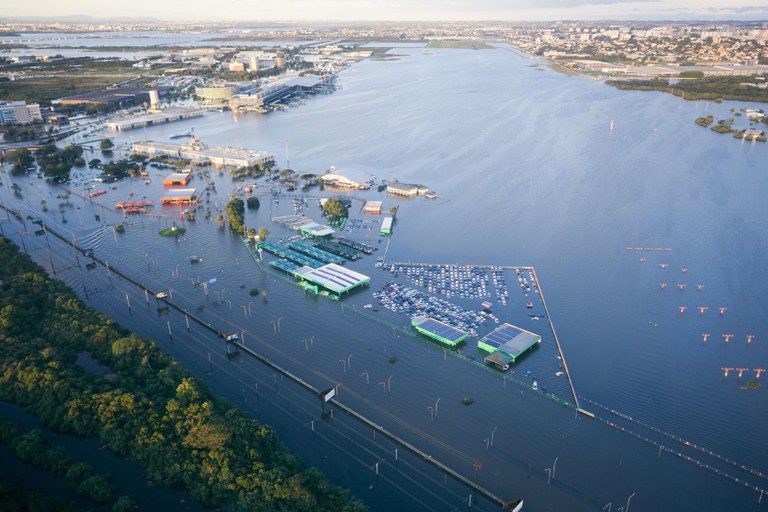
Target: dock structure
559,348
438,331
506,343
167,115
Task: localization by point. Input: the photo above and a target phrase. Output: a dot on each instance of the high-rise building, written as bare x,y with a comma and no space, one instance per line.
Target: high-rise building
18,112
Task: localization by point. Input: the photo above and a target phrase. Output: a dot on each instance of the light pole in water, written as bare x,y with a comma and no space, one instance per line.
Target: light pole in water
627,507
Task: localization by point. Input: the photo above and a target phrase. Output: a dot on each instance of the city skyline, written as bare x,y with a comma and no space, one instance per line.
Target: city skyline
401,10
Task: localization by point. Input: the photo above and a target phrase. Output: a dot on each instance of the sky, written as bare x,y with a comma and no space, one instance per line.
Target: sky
395,10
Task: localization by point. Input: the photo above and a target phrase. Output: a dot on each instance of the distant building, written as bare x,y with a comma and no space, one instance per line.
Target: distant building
180,196
119,97
372,207
199,153
177,179
215,94
406,190
386,226
18,112
336,179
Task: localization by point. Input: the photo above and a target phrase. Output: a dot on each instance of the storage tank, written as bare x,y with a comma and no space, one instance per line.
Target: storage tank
154,99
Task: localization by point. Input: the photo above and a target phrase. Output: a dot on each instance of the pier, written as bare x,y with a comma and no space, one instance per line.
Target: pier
559,348
168,115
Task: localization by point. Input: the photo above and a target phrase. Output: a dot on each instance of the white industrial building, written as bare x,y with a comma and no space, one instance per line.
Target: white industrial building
200,154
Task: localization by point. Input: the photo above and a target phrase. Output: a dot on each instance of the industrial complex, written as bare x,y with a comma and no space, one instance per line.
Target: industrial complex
200,154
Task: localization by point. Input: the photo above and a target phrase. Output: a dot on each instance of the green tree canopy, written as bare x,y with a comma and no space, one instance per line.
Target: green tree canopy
235,211
335,209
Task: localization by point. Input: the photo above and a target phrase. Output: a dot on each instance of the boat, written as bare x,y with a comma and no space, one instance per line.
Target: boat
559,374
181,135
529,305
535,384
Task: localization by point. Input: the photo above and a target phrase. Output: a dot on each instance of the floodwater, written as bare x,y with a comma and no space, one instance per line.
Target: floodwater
532,168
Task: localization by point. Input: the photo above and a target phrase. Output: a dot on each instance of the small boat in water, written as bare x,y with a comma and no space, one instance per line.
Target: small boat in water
181,135
535,384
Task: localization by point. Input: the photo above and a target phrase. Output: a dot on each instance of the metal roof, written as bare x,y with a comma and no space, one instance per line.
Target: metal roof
179,192
510,339
333,277
439,328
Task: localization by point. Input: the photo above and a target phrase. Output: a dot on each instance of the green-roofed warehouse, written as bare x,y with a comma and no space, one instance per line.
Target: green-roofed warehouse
333,278
438,331
506,343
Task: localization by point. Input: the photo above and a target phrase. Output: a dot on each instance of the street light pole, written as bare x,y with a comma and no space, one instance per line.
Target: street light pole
627,507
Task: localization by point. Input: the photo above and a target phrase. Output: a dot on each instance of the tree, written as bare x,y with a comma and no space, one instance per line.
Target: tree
106,146
22,159
235,210
263,233
94,164
124,504
253,203
335,209
96,488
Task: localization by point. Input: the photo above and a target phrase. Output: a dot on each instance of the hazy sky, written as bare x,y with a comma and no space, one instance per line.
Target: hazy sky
364,10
